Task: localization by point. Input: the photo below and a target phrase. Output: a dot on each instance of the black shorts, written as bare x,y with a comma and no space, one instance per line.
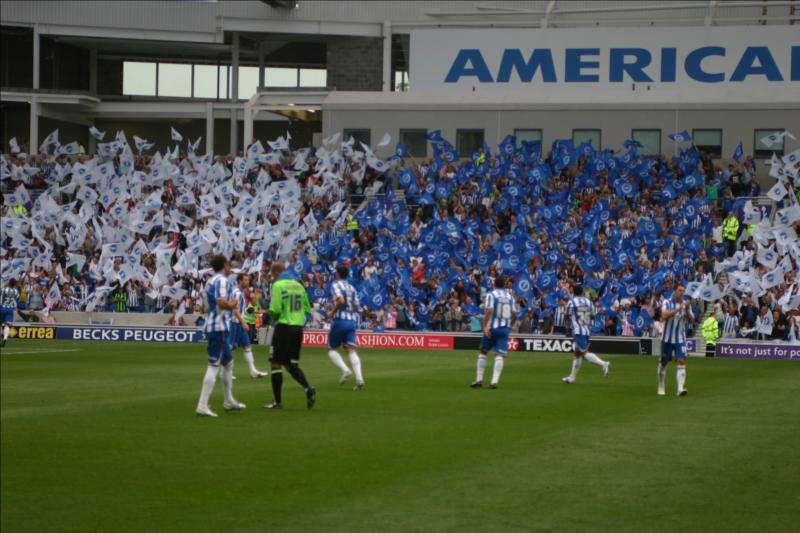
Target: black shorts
286,343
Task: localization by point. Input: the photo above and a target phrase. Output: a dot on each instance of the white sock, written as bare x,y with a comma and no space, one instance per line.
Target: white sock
337,360
227,382
355,362
576,365
592,358
6,332
250,361
680,375
498,369
481,367
662,371
209,380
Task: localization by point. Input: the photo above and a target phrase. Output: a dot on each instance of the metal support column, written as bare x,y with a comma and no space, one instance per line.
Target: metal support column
210,127
387,56
33,147
36,56
234,93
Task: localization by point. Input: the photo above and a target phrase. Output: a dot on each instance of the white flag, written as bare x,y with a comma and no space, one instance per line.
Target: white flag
772,278
51,139
97,134
14,146
777,192
385,140
175,135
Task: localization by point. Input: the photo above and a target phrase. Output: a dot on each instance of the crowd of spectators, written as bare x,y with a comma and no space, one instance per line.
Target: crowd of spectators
130,233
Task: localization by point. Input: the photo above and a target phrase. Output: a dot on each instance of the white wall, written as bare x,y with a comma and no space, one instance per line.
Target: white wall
616,125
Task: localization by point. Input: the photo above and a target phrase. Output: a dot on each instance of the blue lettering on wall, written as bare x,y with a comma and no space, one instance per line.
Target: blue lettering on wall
668,64
618,66
581,65
574,64
694,68
767,65
478,68
541,58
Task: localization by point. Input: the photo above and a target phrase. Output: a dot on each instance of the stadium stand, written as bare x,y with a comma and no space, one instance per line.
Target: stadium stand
424,239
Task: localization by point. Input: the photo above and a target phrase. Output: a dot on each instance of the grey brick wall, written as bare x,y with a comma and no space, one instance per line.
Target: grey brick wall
355,63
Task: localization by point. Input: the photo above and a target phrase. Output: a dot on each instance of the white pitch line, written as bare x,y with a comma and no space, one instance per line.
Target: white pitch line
12,352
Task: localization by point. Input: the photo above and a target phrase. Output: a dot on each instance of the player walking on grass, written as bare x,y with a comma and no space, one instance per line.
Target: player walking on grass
216,328
288,308
8,304
674,312
580,312
239,336
343,329
500,311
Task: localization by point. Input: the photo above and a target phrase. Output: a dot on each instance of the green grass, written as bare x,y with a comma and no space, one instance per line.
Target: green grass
104,438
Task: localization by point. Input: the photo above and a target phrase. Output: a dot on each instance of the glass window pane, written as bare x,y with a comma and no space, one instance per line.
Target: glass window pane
709,141
527,135
401,81
224,85
174,79
581,136
313,77
765,150
280,77
138,78
415,142
248,82
650,139
359,135
468,141
205,81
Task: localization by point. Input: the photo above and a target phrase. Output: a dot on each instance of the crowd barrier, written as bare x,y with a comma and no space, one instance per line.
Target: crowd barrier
413,340
406,340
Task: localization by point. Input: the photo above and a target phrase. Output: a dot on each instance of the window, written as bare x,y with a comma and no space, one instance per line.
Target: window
581,136
205,81
764,150
280,77
650,139
138,78
248,82
709,141
401,81
468,141
313,77
174,79
224,85
527,135
415,142
360,136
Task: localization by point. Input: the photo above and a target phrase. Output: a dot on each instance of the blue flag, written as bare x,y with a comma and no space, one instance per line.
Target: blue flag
680,136
738,153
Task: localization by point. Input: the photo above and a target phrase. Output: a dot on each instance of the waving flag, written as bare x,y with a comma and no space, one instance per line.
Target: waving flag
775,138
632,143
738,153
434,136
51,139
97,134
680,136
14,146
175,135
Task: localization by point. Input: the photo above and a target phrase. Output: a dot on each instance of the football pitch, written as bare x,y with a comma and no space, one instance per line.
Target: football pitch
103,437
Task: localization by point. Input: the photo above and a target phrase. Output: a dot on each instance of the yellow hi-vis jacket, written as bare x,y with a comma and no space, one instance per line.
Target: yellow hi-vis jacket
730,228
711,330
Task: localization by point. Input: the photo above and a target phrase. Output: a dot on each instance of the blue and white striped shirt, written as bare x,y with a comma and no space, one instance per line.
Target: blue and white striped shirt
349,310
558,319
503,308
581,311
10,298
217,319
675,326
238,297
731,326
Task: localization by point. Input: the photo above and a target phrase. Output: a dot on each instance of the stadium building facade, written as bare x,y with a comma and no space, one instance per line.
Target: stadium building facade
230,71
